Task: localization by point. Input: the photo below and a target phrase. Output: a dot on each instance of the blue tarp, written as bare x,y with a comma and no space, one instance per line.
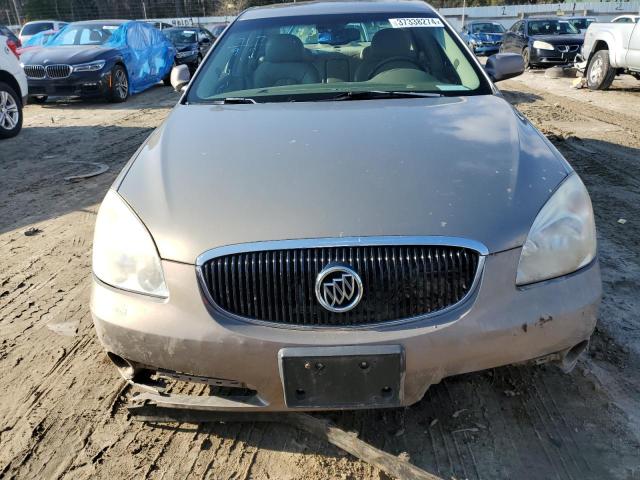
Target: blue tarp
39,39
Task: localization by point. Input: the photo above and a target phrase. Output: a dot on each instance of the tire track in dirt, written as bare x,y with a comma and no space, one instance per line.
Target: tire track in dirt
63,417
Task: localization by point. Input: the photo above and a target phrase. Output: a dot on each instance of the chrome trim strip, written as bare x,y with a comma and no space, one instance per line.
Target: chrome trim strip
438,241
341,242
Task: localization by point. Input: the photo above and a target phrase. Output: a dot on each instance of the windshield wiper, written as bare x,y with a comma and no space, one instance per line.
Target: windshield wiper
380,94
233,100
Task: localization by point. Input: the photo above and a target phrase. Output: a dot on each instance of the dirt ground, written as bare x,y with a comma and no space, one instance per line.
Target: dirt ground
62,405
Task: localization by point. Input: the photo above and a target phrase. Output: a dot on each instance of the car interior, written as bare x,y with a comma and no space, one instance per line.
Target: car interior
299,55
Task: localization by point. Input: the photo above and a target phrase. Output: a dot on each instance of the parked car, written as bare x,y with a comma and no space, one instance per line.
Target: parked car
159,25
581,23
626,19
483,37
217,28
13,42
191,44
29,29
340,224
110,59
39,40
543,41
13,91
611,49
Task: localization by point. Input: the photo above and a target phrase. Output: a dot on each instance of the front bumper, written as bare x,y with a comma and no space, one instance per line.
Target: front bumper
78,84
188,60
498,324
539,56
486,49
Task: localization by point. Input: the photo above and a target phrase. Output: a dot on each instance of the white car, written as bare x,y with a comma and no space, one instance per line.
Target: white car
626,19
29,29
13,92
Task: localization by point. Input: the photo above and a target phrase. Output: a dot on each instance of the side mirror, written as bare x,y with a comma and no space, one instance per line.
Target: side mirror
205,41
502,66
180,77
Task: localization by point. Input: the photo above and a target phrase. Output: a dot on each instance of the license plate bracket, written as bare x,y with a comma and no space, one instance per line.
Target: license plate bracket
342,377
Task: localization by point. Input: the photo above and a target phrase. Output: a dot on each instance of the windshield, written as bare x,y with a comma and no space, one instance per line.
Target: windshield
83,34
33,28
315,57
551,27
178,35
581,23
487,28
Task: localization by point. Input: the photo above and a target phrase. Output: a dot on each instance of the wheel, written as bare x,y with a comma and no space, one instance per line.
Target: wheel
526,57
39,99
167,79
119,85
10,112
600,74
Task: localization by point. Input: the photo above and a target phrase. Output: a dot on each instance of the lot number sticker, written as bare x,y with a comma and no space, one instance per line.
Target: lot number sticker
415,22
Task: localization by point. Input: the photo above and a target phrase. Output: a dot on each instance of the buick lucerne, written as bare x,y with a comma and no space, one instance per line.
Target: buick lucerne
340,211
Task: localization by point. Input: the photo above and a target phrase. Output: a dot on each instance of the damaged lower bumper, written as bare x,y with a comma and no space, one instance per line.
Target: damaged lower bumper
243,367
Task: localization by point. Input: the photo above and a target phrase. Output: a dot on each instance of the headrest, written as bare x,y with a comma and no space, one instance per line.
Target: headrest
391,42
284,48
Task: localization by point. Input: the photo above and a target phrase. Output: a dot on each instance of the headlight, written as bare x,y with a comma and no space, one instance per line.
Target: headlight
563,236
89,67
124,254
543,45
186,54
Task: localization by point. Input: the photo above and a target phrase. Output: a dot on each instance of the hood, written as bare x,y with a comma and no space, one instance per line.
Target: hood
71,55
215,175
487,37
559,39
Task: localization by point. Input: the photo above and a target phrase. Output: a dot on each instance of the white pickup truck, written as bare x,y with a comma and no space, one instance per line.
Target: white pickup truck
610,49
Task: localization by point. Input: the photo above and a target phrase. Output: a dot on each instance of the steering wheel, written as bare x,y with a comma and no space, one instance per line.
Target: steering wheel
384,62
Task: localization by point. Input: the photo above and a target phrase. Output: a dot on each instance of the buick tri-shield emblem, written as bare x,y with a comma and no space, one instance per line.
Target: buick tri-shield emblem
338,288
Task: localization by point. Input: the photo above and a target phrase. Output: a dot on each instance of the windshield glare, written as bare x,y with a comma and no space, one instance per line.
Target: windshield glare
181,36
90,34
551,27
487,28
314,57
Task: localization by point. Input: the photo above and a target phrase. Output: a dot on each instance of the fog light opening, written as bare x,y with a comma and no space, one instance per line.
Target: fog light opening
571,357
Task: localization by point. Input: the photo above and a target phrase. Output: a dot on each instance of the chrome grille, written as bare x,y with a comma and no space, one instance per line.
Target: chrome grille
34,71
567,48
58,71
399,282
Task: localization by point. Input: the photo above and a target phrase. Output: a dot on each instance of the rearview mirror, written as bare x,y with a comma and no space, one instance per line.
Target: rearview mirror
180,77
502,66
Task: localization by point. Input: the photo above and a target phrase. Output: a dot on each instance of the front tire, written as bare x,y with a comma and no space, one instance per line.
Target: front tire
600,73
10,112
119,85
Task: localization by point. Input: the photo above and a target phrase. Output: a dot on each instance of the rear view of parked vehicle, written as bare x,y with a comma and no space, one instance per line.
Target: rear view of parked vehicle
109,59
611,49
13,91
13,42
191,44
31,28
